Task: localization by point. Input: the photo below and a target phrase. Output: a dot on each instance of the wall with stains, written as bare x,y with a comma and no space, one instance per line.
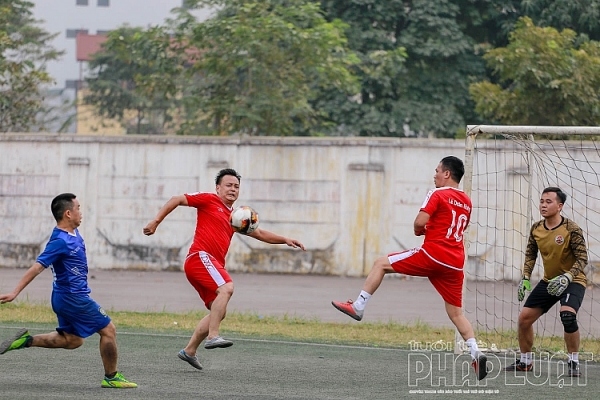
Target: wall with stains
349,200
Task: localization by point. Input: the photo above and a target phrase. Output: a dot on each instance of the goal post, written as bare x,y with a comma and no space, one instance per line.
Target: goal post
506,169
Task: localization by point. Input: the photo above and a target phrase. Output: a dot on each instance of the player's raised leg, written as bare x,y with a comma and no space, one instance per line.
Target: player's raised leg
19,340
215,288
355,309
53,340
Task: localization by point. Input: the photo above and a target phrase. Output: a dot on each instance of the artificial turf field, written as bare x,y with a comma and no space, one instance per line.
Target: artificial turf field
271,369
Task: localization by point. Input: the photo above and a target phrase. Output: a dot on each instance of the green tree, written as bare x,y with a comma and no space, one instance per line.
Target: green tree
433,45
582,16
137,72
488,22
259,64
545,78
24,50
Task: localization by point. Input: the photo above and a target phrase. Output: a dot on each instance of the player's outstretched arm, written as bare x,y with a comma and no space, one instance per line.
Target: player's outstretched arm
30,275
169,206
272,238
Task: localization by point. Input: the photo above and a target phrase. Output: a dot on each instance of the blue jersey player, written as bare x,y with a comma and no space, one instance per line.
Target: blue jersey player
79,316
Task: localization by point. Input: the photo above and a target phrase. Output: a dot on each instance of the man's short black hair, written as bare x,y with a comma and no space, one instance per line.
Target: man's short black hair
60,204
455,166
562,196
224,172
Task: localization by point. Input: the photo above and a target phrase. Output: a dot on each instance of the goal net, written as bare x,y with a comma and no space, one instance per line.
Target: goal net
506,169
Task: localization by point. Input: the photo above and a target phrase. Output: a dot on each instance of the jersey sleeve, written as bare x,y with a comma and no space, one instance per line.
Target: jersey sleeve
430,203
578,248
55,249
530,253
197,200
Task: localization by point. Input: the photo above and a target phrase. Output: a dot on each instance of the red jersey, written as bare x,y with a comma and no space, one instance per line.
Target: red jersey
213,231
450,212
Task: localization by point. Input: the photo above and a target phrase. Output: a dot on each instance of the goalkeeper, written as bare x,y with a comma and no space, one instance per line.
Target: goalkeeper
562,246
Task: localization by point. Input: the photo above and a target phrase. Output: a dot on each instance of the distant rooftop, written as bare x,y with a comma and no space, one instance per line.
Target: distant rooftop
88,45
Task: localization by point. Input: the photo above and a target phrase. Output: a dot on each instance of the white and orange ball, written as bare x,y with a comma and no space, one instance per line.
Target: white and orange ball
244,220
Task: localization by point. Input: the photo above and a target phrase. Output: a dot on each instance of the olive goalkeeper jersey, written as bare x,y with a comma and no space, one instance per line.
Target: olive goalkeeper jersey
562,248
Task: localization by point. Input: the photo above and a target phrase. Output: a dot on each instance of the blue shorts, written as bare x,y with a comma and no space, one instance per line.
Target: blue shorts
78,314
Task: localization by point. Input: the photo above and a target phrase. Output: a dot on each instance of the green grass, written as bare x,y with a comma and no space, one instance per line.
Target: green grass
391,334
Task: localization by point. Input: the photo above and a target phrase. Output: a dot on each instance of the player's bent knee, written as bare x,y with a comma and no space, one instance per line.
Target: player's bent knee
109,331
384,264
226,289
454,311
524,321
74,342
569,321
527,317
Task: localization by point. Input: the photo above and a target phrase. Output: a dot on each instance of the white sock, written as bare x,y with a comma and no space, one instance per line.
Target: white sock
573,357
527,357
361,301
472,344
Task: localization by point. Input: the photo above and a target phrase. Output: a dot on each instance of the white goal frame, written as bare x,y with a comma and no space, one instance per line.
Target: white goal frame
526,171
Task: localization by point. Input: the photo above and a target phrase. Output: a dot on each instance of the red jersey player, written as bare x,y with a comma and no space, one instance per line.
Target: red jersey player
205,263
442,219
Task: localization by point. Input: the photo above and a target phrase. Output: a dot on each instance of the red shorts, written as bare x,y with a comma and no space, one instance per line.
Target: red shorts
206,275
447,280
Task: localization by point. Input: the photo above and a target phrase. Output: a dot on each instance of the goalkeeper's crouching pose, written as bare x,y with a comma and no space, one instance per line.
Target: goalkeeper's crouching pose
561,243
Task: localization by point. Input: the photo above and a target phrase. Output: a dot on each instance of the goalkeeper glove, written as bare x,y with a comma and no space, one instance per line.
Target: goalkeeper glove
523,286
556,286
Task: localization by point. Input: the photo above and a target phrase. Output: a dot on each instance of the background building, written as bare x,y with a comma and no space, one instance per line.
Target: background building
91,17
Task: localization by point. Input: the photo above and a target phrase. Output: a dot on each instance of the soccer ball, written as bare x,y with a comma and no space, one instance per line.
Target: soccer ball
244,220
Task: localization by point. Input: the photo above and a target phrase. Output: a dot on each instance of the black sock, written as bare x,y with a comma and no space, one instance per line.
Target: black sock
29,341
110,376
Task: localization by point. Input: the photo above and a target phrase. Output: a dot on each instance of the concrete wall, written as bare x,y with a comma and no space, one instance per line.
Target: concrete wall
348,200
